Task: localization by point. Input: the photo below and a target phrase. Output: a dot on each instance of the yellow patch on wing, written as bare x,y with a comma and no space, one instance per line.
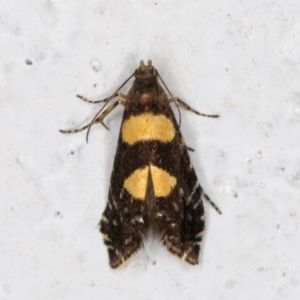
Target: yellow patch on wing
148,127
136,183
163,182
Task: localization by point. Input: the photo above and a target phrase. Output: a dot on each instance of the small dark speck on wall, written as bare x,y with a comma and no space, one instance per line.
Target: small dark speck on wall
28,62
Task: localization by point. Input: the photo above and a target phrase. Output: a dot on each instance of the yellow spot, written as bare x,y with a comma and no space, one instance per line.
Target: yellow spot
148,127
104,219
163,182
200,234
105,237
136,183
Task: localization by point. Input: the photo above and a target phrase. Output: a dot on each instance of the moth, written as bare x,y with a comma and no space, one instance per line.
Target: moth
153,188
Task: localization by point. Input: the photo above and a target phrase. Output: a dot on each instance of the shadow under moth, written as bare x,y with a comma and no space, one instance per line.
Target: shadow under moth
153,188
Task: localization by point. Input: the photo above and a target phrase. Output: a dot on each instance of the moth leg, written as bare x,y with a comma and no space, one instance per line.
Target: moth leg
120,95
74,130
101,115
98,120
190,149
81,129
108,111
175,99
185,106
211,202
90,101
106,100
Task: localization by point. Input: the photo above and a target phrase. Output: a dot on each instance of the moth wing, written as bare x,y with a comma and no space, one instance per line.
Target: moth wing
124,220
193,214
179,218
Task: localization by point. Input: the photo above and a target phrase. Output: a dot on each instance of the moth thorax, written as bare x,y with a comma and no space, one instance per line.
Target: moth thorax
147,98
145,81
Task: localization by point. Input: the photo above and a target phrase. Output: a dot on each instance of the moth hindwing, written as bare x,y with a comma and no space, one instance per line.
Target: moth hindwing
154,187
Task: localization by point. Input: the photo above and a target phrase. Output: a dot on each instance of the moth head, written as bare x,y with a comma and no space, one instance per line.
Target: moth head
145,70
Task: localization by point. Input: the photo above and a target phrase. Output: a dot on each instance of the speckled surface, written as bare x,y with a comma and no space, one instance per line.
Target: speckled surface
239,59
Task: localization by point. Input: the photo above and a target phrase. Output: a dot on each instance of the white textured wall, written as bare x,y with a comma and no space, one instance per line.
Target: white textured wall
236,58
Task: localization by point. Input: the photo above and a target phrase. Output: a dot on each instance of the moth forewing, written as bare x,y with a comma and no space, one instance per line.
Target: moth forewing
154,187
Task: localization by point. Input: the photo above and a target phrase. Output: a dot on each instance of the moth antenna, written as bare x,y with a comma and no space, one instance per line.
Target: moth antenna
158,75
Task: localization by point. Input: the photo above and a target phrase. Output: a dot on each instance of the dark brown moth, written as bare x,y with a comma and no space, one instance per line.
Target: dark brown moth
154,187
